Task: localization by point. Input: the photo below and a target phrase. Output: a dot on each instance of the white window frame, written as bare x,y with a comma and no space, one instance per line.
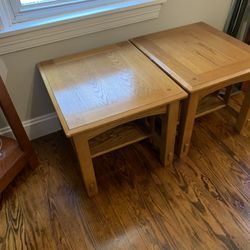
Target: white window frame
29,12
22,30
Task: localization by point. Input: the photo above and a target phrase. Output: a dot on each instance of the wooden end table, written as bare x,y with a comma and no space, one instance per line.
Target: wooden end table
99,94
202,60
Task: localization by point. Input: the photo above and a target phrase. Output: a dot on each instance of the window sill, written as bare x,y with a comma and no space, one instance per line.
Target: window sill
40,32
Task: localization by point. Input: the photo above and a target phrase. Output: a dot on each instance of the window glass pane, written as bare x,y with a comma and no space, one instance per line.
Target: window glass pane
27,2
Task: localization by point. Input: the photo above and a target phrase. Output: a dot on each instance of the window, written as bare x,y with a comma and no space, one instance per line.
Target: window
30,23
27,2
26,10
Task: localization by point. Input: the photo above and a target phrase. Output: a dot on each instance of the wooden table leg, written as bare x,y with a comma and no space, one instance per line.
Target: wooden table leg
244,112
187,118
228,94
151,121
168,133
85,160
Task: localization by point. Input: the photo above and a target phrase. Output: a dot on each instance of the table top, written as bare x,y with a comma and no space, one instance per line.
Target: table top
197,56
96,87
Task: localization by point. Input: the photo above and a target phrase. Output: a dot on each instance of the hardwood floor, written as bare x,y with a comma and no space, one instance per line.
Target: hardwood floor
200,203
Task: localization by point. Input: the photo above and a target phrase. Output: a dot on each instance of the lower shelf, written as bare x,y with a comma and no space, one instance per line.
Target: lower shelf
10,153
209,104
12,160
117,138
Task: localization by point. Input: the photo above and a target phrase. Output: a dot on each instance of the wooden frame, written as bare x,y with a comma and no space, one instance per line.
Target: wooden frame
103,97
202,60
88,147
15,153
192,110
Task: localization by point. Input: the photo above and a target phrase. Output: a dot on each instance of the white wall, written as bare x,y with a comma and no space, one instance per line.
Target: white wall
24,82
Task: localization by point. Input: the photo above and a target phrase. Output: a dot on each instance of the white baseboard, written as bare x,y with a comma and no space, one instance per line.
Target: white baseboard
37,127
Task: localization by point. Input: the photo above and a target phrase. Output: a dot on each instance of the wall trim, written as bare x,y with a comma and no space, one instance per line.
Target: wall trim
37,127
16,39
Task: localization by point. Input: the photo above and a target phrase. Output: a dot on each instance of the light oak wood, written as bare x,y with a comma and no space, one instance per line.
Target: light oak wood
86,165
117,137
209,104
103,85
244,115
110,125
197,55
168,134
189,111
101,89
202,60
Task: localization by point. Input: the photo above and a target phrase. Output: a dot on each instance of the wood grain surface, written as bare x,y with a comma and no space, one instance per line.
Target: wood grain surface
209,104
202,202
197,56
202,60
118,137
103,85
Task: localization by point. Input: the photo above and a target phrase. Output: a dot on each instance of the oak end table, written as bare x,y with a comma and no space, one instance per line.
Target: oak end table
202,60
99,95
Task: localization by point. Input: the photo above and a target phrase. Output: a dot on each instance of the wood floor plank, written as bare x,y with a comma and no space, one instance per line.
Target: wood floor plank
197,202
221,127
202,202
